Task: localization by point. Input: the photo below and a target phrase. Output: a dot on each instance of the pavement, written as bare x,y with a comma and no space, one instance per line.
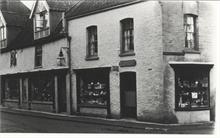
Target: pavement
108,125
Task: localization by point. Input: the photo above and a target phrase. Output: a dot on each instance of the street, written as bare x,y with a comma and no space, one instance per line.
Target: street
29,124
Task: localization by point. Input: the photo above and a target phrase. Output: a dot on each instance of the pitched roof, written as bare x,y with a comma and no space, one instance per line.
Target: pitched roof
14,19
15,12
14,6
86,7
61,5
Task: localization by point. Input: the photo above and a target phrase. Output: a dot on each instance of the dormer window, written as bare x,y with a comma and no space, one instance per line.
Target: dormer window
2,35
41,25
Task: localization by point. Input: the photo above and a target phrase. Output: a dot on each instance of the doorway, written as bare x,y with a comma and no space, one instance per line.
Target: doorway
128,95
62,93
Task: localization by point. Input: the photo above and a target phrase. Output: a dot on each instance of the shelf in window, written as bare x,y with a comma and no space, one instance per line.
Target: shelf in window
42,102
93,96
11,100
92,105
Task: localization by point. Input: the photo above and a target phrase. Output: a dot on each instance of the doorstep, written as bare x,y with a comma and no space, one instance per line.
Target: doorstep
126,123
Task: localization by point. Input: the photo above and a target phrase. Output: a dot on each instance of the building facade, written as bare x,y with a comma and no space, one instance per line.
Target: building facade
146,60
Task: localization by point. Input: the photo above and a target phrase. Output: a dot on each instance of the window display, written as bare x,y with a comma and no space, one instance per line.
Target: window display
93,89
42,89
192,90
94,93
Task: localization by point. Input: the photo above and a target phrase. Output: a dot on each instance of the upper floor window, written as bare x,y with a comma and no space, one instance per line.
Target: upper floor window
41,27
190,31
127,34
13,61
92,42
2,36
38,56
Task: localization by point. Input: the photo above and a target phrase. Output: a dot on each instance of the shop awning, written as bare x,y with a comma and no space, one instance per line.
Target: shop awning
191,65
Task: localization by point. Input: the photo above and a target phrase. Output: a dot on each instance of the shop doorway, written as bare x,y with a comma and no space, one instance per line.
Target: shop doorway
62,93
128,94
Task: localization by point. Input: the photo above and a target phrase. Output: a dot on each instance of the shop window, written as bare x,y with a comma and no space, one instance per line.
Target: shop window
41,28
12,89
42,88
13,61
93,89
127,34
92,46
38,56
2,35
190,31
192,90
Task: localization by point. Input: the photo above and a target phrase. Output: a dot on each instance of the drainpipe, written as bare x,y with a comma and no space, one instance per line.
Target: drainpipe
70,70
65,26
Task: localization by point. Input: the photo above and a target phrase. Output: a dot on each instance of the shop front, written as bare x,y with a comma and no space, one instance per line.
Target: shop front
43,91
10,91
192,91
93,95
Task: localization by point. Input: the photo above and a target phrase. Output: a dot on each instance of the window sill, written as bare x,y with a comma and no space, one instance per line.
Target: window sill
131,53
191,51
193,109
37,67
91,58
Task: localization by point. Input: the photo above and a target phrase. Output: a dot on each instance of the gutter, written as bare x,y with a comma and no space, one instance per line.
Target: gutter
105,9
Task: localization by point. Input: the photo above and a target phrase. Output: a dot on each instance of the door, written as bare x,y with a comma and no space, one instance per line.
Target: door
128,94
62,93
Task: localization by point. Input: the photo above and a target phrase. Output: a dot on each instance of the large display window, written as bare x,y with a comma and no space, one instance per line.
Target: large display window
93,89
42,88
11,88
192,89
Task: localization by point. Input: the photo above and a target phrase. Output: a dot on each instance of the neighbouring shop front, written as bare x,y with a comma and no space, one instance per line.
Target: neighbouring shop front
93,91
192,91
43,91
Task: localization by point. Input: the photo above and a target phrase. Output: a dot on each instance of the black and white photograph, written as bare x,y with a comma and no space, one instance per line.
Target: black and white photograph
143,67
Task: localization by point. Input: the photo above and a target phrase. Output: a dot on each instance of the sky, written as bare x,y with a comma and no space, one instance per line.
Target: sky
28,3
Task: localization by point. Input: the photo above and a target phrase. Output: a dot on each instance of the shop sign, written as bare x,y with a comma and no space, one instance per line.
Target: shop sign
127,63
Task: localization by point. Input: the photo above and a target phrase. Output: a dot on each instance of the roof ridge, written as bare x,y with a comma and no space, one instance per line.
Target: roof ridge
12,12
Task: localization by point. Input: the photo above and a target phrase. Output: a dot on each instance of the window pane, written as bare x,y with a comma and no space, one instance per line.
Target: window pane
127,35
92,41
12,88
42,88
93,88
189,31
38,56
13,58
192,90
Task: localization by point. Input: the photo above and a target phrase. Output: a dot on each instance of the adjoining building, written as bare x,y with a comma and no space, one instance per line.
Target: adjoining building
146,60
31,76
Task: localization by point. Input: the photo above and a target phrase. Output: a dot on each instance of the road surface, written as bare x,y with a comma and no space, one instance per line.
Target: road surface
29,124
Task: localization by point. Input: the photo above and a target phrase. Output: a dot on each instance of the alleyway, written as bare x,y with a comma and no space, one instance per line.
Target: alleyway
29,124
